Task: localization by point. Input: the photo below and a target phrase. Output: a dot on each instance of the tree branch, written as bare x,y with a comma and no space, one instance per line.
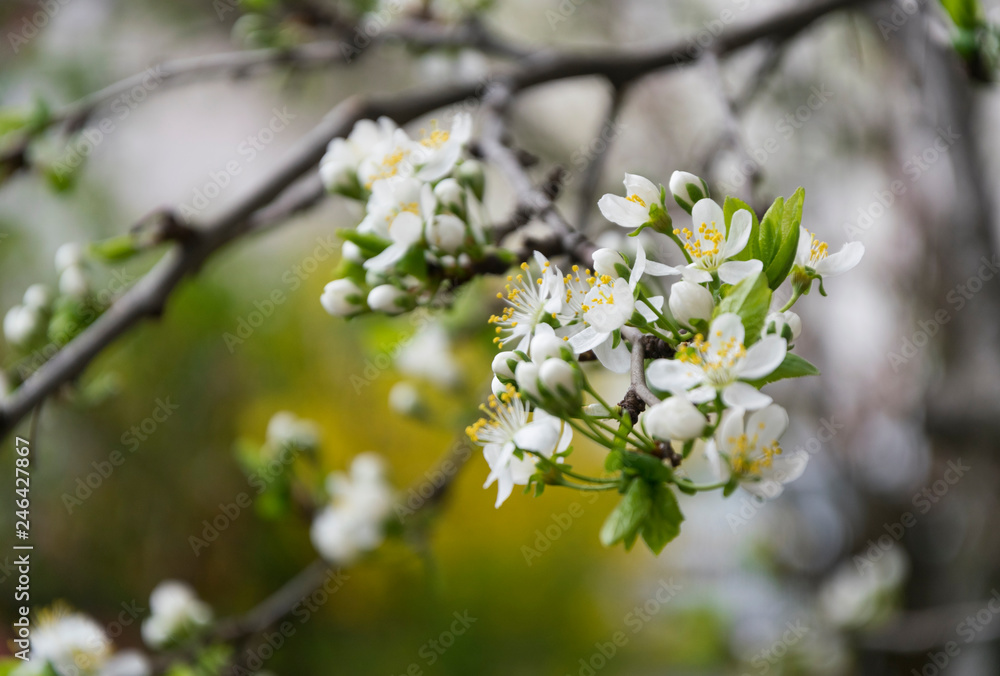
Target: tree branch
148,297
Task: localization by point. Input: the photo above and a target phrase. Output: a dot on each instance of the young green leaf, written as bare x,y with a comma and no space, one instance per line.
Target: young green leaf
625,520
788,240
769,236
750,299
663,523
793,366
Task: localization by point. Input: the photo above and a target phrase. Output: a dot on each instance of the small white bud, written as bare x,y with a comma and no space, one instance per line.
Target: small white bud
404,399
546,346
38,296
342,298
446,233
20,324
786,324
558,376
674,418
690,301
352,252
286,429
386,298
501,366
687,189
449,192
470,173
68,255
74,282
605,261
526,375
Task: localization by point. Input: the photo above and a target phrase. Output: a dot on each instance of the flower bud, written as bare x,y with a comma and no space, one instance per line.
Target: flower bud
545,346
342,298
526,375
68,255
352,252
690,301
74,282
446,233
470,174
20,324
388,299
501,364
560,379
497,387
38,296
286,429
687,189
404,399
449,193
786,324
674,418
605,261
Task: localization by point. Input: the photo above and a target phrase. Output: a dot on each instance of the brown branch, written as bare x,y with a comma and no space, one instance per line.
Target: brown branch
638,396
149,296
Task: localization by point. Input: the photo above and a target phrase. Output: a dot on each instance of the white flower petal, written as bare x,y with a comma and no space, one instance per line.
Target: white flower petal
623,212
730,429
617,359
734,272
842,261
587,339
739,233
692,273
670,375
708,212
642,187
725,329
762,358
769,423
744,396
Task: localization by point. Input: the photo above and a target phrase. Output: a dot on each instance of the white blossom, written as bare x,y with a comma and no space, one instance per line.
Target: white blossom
813,253
21,324
287,429
339,165
710,247
506,429
175,610
530,300
720,364
386,298
69,255
71,642
406,205
428,355
353,523
438,150
446,232
38,296
633,210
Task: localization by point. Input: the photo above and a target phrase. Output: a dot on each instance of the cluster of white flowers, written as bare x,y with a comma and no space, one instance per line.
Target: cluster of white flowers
710,341
714,344
176,613
43,314
423,219
287,430
68,643
353,523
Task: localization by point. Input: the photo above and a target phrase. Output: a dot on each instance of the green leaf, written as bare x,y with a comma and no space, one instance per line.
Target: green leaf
625,520
750,299
965,13
413,263
769,237
663,522
788,240
115,248
793,366
752,249
647,466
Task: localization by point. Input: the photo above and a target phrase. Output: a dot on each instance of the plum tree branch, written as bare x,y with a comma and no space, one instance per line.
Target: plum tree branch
149,296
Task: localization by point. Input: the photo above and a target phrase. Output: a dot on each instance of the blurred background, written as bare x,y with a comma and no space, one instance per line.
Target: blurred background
870,564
